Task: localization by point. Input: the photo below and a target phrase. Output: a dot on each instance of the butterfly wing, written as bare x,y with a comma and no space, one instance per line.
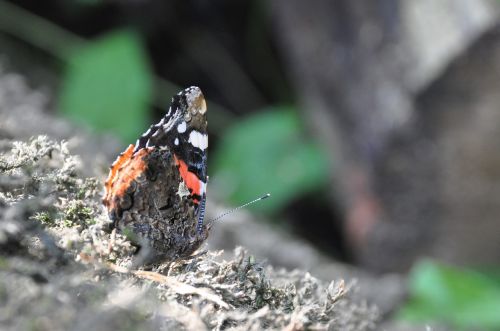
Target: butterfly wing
157,187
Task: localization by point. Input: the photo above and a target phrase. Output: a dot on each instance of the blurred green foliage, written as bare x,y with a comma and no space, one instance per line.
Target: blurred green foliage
108,85
463,298
268,152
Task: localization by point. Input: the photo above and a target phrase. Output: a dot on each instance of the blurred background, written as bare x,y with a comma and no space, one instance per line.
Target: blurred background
373,124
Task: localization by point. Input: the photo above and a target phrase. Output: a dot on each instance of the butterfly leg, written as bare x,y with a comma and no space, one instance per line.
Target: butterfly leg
201,214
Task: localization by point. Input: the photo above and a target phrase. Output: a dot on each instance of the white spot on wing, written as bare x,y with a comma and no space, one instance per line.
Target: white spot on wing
183,191
203,188
181,128
175,117
176,141
147,132
198,139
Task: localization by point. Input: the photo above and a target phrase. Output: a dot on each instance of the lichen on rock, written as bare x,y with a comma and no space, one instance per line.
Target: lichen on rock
54,244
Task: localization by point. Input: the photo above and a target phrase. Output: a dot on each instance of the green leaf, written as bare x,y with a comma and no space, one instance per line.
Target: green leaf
264,153
107,85
464,298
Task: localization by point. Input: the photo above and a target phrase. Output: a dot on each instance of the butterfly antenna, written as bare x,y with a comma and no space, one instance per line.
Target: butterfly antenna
237,208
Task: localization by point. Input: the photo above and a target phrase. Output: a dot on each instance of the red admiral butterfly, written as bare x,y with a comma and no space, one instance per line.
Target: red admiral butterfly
156,189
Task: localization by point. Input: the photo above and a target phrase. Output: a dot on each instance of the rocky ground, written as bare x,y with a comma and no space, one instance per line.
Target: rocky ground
61,269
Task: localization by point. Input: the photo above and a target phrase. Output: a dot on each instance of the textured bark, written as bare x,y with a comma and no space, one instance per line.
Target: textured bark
357,67
439,181
461,110
340,55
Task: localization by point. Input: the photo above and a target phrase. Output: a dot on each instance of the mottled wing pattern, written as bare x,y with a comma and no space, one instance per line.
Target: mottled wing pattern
157,187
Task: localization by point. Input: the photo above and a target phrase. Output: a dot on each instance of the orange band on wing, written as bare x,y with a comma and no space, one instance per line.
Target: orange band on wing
123,171
192,181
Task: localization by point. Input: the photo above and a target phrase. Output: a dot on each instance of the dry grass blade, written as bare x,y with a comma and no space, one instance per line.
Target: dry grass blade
180,288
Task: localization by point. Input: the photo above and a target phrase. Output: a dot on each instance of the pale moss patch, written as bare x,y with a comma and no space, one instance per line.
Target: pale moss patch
55,243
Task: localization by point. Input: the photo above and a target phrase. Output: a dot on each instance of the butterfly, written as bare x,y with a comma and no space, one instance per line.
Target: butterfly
156,189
